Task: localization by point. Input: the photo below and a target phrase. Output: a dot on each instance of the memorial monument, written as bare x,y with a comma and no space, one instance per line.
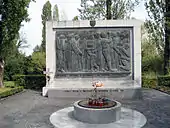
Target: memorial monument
97,112
78,52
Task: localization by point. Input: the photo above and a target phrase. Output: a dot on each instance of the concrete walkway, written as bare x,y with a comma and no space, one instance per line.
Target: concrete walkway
31,110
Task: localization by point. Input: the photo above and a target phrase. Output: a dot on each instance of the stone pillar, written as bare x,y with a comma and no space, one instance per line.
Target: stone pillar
137,53
50,54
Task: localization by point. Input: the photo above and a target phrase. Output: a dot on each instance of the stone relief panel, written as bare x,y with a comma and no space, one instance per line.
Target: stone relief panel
93,50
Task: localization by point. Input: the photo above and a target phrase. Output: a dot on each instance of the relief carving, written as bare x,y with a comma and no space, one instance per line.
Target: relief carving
93,50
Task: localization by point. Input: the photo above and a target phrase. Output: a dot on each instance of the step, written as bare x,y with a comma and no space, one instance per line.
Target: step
82,88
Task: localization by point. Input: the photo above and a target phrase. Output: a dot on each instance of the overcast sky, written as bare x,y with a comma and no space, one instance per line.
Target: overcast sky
68,8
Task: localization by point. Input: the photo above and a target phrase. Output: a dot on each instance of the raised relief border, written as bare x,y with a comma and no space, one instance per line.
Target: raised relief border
97,51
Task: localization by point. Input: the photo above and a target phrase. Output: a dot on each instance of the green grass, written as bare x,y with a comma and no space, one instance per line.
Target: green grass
9,89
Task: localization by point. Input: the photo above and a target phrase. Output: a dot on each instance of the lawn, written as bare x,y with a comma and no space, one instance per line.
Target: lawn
9,89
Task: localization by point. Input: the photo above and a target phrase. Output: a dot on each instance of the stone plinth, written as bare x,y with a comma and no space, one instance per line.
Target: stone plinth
69,53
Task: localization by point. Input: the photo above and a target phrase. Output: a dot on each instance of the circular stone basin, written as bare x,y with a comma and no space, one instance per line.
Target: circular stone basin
103,115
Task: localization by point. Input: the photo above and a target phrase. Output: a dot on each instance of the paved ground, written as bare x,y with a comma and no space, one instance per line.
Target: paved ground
31,110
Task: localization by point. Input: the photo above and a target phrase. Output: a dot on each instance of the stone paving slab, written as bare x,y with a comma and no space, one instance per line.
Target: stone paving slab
31,110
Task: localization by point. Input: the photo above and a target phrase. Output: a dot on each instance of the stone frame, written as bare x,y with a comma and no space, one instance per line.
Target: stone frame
51,26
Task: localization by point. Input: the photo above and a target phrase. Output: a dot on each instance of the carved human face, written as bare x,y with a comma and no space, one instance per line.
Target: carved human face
76,37
62,36
103,35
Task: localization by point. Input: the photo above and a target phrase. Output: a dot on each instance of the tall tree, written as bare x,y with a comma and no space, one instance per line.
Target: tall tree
13,12
55,13
156,23
106,9
167,37
159,28
46,15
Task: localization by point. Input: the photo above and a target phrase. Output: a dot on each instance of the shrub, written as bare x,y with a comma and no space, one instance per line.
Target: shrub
149,82
9,84
30,81
152,63
164,81
4,92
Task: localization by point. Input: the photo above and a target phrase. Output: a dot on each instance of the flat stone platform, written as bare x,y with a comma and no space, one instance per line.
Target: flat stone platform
129,119
82,87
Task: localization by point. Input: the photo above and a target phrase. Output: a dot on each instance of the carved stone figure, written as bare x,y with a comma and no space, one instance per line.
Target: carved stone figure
76,53
106,50
60,47
125,57
99,57
91,53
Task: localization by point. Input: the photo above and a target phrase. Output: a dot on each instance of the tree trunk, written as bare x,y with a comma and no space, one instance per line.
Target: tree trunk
167,39
1,72
108,9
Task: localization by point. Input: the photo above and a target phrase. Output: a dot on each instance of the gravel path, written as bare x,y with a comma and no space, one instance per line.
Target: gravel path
30,110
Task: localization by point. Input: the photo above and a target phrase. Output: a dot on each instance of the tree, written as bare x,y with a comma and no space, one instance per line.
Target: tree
46,15
167,38
106,9
14,12
55,13
75,18
37,49
38,60
155,25
14,65
159,28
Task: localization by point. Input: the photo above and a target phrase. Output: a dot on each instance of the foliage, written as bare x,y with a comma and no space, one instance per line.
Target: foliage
96,9
149,82
38,62
155,25
163,89
75,18
46,15
37,49
9,84
151,60
14,12
167,37
15,64
30,81
4,92
159,27
55,13
164,80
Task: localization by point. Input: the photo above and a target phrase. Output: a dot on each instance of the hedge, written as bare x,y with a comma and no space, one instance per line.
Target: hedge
10,91
9,84
164,81
30,81
149,82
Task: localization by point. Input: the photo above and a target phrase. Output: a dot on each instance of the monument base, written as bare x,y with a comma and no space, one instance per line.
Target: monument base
118,88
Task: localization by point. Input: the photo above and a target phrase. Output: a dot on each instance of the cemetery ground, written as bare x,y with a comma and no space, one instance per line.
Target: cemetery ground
29,109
